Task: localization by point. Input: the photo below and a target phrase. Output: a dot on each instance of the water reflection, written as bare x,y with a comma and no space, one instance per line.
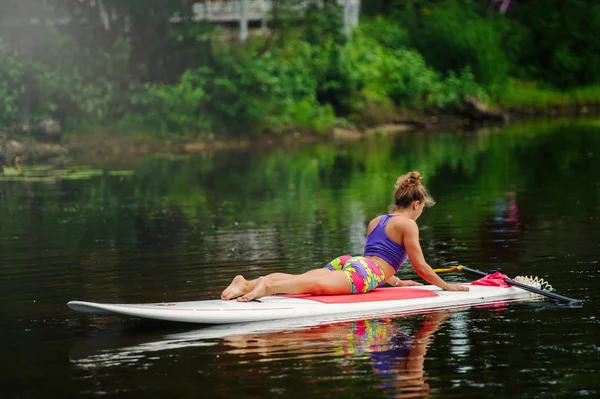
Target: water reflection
395,355
503,229
524,199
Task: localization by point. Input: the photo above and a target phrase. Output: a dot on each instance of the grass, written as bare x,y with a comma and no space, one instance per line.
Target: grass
521,94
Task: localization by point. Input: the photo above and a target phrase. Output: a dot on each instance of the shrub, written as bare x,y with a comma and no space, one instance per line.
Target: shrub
241,95
453,35
11,85
84,82
563,48
455,87
402,75
176,109
65,80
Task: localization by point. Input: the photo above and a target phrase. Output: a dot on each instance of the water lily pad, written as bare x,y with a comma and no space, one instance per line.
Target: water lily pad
121,172
34,179
8,171
81,174
45,173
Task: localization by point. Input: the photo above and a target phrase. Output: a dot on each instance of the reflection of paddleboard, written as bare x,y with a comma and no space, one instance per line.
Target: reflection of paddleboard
109,348
379,301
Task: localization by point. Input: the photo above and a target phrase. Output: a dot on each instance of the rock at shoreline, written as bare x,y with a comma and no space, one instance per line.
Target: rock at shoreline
28,149
477,110
13,147
48,129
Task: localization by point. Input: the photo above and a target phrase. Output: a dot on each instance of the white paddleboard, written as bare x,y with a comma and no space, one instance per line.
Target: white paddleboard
379,301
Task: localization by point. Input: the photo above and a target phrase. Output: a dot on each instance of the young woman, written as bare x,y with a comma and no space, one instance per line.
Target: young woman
391,239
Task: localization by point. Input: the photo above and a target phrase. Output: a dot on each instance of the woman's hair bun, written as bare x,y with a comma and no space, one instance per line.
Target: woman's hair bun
409,180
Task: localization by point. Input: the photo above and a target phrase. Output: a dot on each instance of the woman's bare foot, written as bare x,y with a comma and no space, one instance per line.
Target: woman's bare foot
261,289
238,287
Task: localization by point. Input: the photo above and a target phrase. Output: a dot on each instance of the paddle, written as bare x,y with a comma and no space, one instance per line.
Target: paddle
561,298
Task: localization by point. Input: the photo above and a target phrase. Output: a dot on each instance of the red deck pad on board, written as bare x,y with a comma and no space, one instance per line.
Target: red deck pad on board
380,294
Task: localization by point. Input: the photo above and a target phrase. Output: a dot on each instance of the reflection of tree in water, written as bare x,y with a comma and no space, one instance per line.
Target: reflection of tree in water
397,358
162,227
502,232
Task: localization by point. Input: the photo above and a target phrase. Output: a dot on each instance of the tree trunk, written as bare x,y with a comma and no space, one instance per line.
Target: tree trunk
244,21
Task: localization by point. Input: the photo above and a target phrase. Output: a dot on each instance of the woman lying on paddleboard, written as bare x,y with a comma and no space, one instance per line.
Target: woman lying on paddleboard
391,239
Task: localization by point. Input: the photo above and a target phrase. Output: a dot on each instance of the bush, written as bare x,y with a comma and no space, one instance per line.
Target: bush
64,80
176,109
299,71
398,74
241,95
563,48
386,31
402,75
85,82
452,35
455,87
11,85
277,90
301,85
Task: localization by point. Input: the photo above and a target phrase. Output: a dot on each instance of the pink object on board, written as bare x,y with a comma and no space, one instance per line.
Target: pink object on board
377,295
495,279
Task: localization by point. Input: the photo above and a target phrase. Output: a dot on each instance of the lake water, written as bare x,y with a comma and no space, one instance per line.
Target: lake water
525,199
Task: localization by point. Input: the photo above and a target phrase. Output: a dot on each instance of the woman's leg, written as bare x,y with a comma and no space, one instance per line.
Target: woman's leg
315,282
240,286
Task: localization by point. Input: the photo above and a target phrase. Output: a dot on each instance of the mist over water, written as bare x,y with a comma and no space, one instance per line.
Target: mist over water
525,199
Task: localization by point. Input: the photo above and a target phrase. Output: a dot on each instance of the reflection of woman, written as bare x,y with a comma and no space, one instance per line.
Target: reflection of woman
391,239
503,227
397,358
402,365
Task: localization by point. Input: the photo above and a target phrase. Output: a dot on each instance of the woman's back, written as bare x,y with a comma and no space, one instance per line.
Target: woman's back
382,240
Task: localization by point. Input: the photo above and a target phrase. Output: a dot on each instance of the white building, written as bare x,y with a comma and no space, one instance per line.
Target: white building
246,11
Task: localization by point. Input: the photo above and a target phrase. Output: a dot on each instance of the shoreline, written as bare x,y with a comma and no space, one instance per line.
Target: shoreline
117,147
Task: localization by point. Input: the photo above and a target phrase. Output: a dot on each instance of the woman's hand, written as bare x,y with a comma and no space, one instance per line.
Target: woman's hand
456,287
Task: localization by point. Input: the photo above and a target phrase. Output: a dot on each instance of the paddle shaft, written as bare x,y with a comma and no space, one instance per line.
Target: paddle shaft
526,287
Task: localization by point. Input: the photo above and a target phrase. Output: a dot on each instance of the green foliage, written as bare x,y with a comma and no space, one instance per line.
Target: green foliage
190,82
386,31
275,91
296,70
402,75
536,96
64,79
242,94
455,87
11,84
453,35
297,87
399,74
323,32
323,24
563,47
176,108
83,82
266,93
337,83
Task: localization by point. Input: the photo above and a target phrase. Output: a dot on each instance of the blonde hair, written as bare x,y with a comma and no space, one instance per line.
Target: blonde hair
409,190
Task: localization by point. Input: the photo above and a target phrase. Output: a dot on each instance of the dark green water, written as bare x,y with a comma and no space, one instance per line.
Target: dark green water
525,199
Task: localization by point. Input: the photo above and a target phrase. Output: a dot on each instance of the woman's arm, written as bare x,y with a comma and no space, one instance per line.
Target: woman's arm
397,282
415,254
393,281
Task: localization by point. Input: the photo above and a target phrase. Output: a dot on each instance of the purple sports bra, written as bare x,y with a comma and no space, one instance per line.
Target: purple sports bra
380,245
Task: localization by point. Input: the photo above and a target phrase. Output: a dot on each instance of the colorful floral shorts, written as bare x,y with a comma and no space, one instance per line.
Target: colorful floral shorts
364,274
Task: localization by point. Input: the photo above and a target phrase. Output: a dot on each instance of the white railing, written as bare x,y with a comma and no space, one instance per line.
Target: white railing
256,10
223,11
